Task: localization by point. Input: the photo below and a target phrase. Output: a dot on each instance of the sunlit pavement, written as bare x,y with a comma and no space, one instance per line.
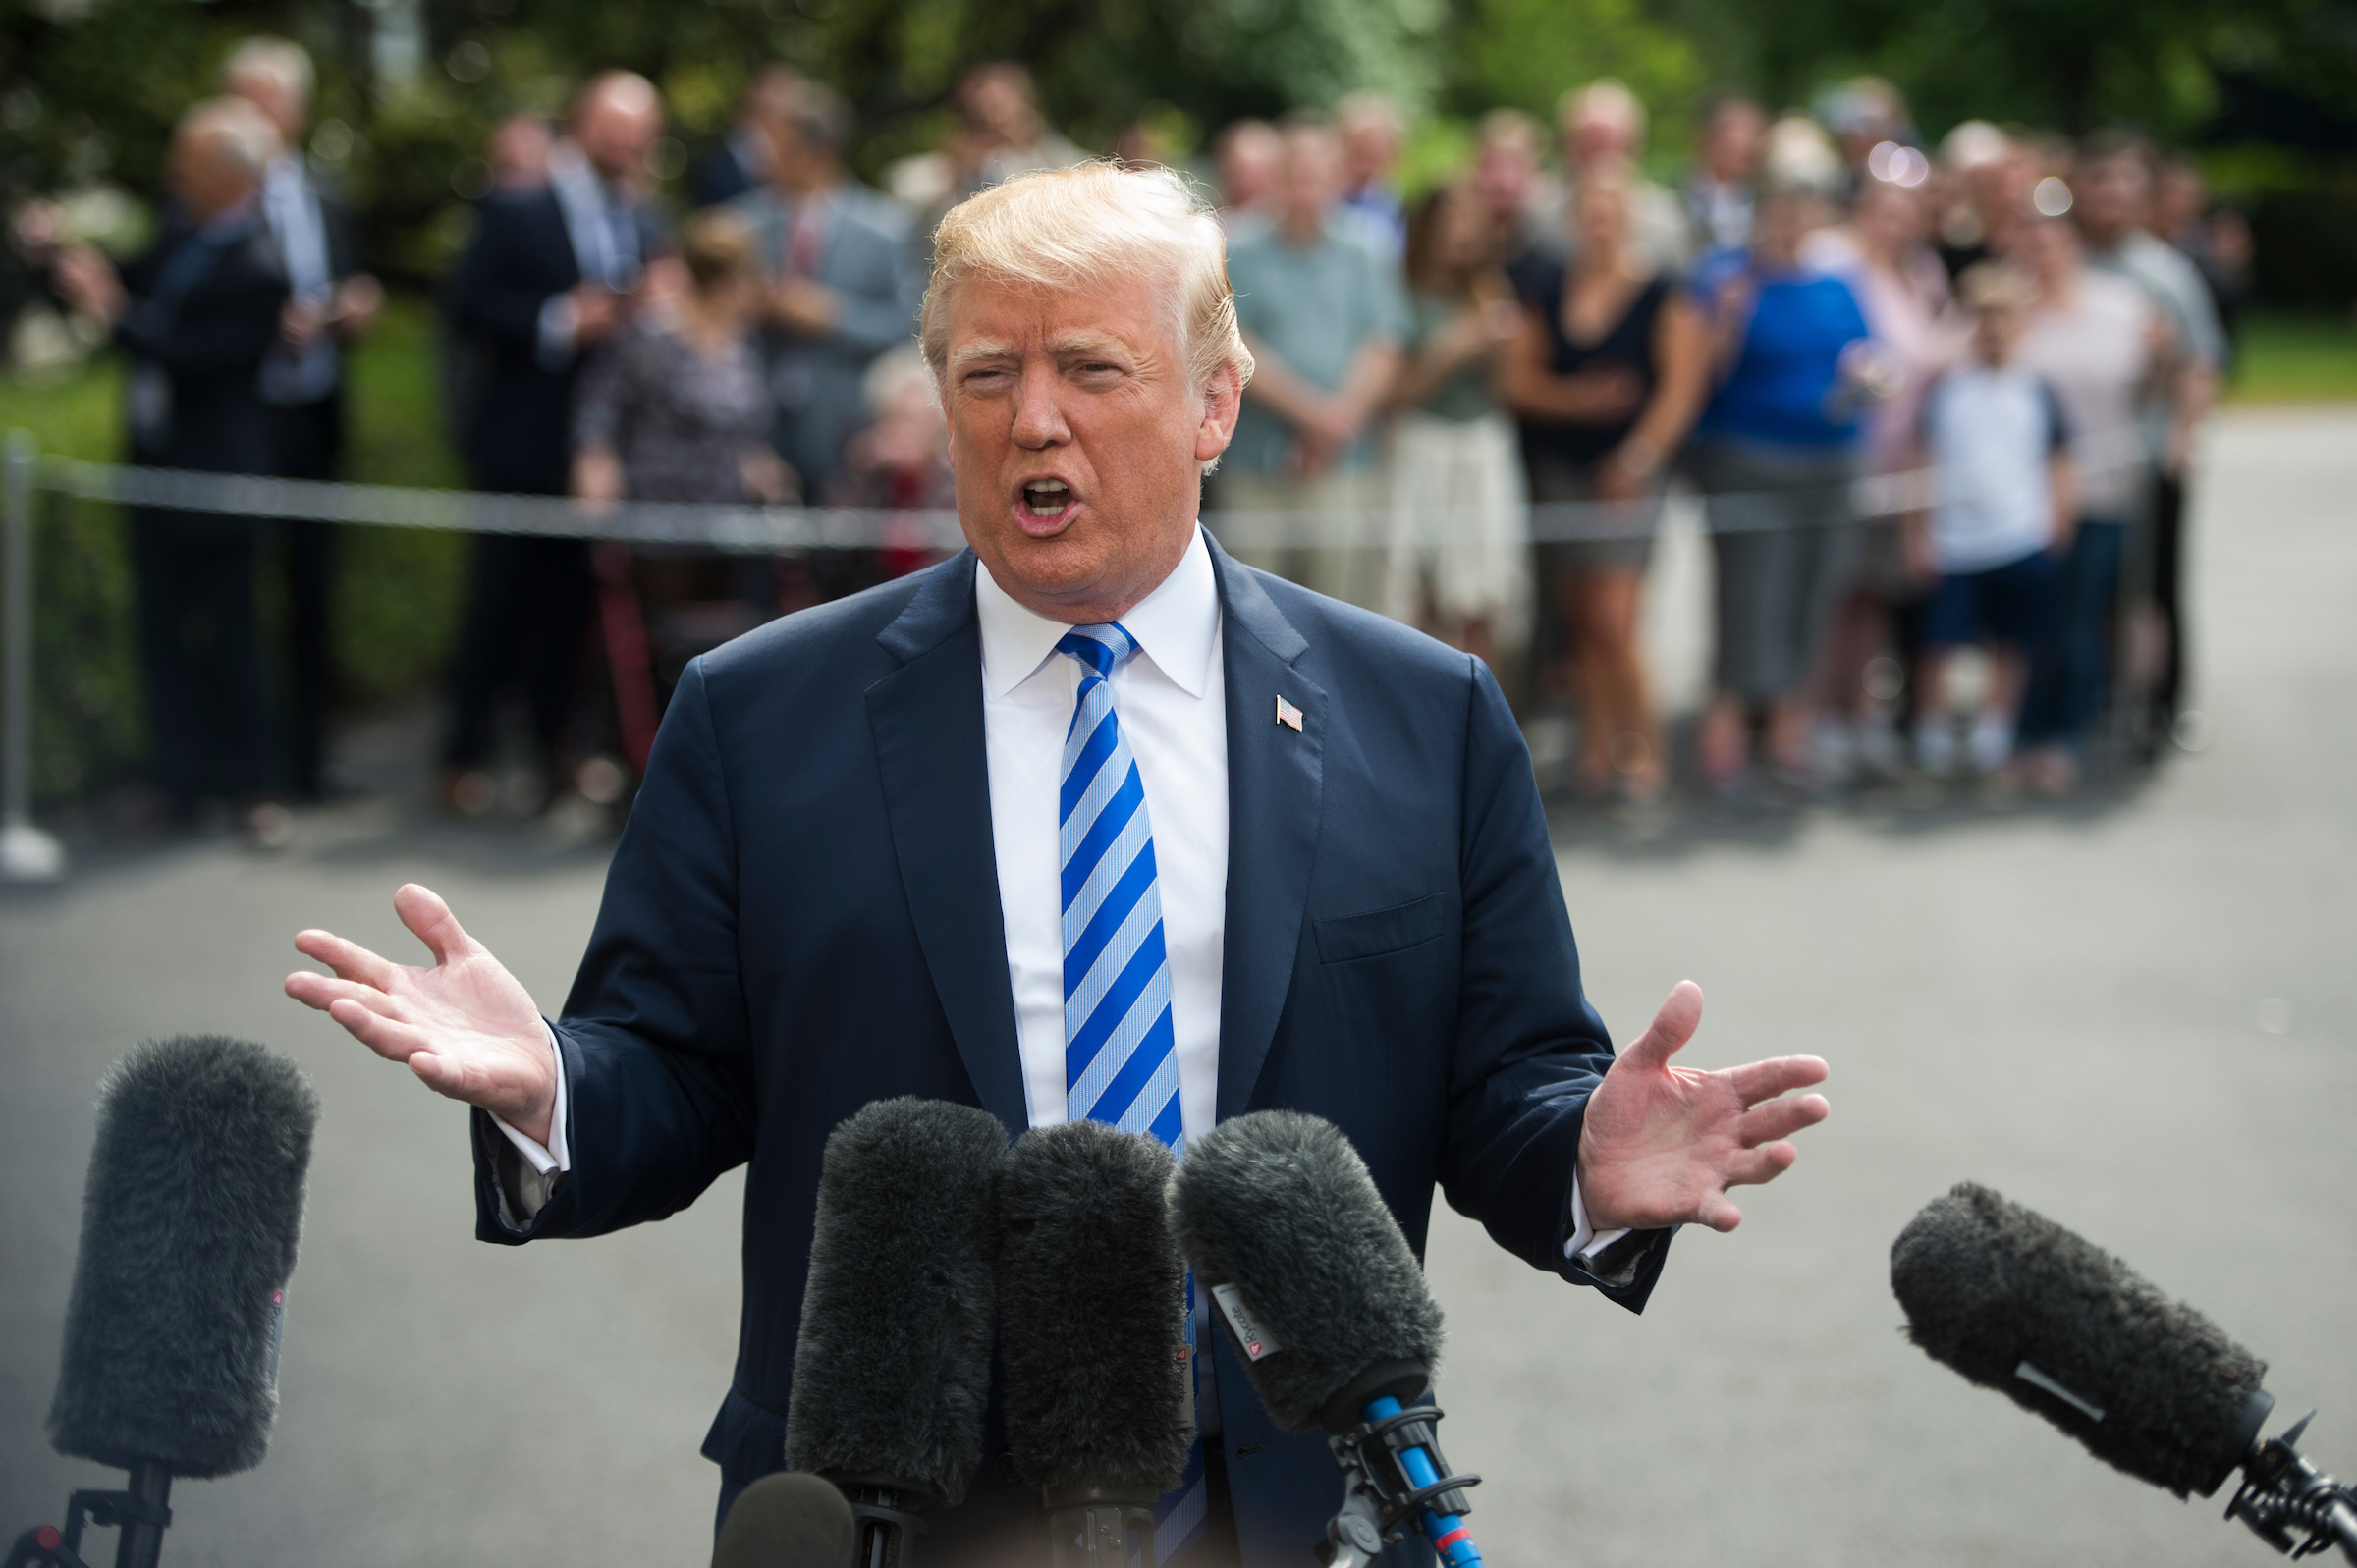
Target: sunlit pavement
2133,1014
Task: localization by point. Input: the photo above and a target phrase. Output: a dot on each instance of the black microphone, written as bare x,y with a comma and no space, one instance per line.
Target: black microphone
1330,1311
787,1519
2016,1303
1092,1339
892,1369
189,1221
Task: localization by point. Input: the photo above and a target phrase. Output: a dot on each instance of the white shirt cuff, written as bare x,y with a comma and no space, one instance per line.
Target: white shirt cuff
554,1159
1586,1240
560,328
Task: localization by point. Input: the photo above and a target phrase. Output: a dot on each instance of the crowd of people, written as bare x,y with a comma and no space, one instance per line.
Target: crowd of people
2018,334
1467,411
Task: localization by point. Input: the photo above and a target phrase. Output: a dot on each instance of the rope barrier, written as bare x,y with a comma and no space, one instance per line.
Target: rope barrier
761,529
28,854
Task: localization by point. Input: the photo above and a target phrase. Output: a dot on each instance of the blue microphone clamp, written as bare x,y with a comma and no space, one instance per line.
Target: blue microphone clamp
1394,1476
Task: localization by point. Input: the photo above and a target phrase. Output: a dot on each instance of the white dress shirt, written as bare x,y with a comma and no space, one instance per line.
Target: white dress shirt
1173,710
603,230
291,206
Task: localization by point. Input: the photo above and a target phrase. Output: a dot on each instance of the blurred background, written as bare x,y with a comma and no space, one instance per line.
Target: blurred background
1631,345
2250,102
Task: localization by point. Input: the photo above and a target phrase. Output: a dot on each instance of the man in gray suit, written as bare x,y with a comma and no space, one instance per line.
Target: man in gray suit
840,278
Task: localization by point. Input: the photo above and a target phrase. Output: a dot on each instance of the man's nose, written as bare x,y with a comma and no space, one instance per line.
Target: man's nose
1038,409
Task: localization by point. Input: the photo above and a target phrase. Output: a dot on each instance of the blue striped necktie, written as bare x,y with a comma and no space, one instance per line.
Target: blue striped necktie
1121,1061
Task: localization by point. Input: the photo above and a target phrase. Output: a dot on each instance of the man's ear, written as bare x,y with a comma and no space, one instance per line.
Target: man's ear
1223,400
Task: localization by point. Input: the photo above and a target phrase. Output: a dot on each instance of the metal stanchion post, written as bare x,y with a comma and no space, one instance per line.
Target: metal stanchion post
26,855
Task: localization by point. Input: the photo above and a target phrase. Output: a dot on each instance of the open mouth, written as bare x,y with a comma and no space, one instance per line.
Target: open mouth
1045,500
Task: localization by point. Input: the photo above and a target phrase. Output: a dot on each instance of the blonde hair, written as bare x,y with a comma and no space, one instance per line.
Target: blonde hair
1998,286
1064,229
893,375
716,245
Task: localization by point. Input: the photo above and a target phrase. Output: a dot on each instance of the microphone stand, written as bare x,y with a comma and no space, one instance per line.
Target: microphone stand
1394,1477
884,1517
1091,1527
140,1511
2281,1493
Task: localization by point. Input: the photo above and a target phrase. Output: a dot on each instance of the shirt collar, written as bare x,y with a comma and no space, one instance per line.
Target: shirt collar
569,166
1174,626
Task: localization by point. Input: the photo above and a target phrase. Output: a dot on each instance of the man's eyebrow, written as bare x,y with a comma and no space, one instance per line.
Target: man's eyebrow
1071,343
967,352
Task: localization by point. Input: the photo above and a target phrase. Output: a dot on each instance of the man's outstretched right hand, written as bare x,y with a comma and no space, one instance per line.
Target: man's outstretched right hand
465,1026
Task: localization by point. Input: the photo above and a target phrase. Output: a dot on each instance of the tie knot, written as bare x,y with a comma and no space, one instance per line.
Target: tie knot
1100,649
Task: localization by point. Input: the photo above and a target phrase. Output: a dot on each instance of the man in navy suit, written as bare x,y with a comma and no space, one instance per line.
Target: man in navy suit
334,303
198,315
1089,821
552,272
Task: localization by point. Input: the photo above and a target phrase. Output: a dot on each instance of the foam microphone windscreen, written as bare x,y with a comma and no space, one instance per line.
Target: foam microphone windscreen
1280,1206
892,1369
189,1221
1092,1313
2016,1303
787,1521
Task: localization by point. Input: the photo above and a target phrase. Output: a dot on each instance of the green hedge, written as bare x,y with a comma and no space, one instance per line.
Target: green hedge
398,591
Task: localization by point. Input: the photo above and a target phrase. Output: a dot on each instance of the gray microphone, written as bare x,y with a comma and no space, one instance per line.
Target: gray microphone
189,1221
787,1519
1332,1318
2016,1303
1092,1339
891,1368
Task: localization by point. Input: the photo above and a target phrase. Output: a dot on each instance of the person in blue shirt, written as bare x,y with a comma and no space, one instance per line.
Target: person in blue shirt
1373,133
1776,451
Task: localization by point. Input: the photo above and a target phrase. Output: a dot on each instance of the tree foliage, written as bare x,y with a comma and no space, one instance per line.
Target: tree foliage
90,88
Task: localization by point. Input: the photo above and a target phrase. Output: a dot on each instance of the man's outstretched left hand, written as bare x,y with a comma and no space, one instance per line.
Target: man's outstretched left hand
1660,1145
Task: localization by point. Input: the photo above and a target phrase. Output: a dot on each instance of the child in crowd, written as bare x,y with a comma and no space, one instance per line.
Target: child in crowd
900,461
1993,543
902,458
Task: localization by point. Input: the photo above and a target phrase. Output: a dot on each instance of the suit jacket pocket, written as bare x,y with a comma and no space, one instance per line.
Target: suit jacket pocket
1382,930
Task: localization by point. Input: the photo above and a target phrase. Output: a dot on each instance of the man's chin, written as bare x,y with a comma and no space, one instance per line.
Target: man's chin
1056,570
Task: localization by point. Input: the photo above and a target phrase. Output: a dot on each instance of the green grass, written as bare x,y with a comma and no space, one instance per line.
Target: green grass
399,590
398,433
396,429
2297,357
76,413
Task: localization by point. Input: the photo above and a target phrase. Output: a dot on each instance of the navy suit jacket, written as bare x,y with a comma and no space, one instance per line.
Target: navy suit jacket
519,434
802,916
208,347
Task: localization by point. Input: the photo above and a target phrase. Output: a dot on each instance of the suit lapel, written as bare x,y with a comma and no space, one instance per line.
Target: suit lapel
927,718
1276,782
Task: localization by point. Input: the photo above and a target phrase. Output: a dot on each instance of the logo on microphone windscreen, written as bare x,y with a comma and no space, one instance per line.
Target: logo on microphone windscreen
1256,1343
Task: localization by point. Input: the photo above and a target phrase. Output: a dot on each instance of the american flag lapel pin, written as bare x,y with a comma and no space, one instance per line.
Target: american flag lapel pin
1287,713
